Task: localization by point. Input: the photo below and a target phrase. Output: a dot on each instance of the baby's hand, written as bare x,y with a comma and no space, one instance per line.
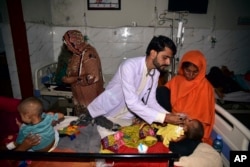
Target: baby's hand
50,113
54,123
18,123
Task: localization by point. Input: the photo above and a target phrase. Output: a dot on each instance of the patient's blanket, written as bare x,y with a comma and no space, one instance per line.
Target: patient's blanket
86,141
134,135
130,136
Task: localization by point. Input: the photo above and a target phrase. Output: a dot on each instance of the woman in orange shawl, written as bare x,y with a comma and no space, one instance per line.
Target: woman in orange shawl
191,93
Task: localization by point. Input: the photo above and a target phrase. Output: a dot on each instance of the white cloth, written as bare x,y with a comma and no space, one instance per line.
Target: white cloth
56,141
65,122
239,96
204,155
123,90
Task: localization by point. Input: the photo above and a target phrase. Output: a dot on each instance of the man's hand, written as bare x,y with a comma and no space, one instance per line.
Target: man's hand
30,141
175,119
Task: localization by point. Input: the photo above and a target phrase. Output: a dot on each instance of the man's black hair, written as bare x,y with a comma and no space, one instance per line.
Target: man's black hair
159,43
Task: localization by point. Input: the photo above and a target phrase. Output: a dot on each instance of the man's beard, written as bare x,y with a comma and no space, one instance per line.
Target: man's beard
160,68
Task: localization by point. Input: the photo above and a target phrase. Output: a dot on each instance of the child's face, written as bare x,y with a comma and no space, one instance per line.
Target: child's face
187,124
25,118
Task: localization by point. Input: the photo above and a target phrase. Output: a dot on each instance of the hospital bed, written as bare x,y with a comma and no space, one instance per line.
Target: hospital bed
238,105
46,88
239,100
239,96
236,136
44,83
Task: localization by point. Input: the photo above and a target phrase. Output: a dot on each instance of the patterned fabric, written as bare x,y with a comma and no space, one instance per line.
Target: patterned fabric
130,136
84,72
141,133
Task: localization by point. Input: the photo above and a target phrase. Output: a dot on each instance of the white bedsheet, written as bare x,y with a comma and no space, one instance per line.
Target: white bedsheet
65,122
239,96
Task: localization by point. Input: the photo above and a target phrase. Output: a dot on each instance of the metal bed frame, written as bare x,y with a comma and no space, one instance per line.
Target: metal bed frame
84,157
46,74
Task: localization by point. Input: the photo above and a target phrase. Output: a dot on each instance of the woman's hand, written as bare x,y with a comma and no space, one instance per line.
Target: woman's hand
69,80
30,141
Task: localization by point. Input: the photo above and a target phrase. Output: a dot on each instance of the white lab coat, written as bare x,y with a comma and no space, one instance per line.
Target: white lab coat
122,92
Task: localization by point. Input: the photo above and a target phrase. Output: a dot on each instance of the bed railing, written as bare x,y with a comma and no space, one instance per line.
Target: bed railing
234,132
85,157
44,74
235,135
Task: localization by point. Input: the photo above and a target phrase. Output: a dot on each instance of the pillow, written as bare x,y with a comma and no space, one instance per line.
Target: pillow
204,155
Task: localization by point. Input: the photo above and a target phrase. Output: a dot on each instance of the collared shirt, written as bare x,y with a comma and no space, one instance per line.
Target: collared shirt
123,92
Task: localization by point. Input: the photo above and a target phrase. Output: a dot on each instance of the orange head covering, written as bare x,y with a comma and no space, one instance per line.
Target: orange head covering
198,59
195,97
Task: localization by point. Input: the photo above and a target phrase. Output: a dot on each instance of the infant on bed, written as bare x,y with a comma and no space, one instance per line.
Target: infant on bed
190,136
191,133
37,122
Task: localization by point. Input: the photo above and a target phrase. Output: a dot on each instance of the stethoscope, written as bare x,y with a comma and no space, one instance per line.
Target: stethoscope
151,73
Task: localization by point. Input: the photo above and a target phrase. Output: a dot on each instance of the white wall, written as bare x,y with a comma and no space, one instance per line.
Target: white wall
71,13
47,20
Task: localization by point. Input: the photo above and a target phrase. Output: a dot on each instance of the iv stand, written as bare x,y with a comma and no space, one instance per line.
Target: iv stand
179,42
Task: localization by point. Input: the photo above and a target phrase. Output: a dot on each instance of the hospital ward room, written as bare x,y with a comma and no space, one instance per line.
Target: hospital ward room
112,83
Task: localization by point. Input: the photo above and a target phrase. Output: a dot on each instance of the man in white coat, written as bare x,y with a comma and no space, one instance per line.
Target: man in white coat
131,92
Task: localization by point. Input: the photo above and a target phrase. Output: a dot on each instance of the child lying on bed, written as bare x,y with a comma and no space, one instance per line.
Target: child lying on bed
187,143
170,135
35,121
191,129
